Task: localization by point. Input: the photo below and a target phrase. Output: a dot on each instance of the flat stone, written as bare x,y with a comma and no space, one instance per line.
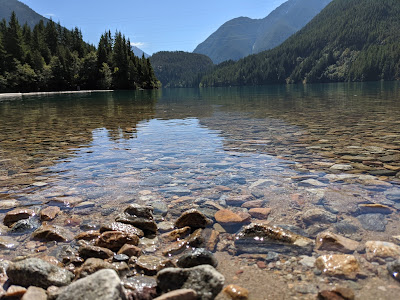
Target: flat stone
194,240
177,234
345,227
238,200
117,226
91,266
260,213
89,251
318,215
197,257
253,204
102,285
342,167
25,225
52,233
338,293
16,215
15,291
114,240
49,213
259,238
7,242
88,235
307,261
332,242
141,287
373,222
8,204
374,209
165,226
312,182
228,217
130,250
182,294
236,292
340,265
37,272
34,293
378,249
150,265
204,279
139,216
194,219
393,195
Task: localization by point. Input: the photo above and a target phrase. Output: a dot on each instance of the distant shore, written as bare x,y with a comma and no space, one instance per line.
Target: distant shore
13,95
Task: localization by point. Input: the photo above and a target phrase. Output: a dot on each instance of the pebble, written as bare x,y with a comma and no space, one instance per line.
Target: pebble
6,204
332,242
34,293
307,261
52,233
89,251
117,226
228,217
49,213
182,294
193,219
373,222
15,291
394,269
139,216
374,209
338,293
130,250
114,240
318,215
150,264
236,292
260,213
253,204
91,266
17,214
204,279
378,249
338,265
197,257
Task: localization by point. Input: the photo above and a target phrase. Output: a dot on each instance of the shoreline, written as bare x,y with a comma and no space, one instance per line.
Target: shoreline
19,95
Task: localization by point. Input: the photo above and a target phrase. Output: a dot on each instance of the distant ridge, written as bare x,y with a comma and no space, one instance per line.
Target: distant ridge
139,52
243,36
24,13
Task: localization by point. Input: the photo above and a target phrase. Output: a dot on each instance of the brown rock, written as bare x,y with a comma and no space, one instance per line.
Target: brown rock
52,233
228,217
150,264
126,228
88,235
332,242
212,240
193,240
338,293
114,240
17,214
182,294
95,252
238,200
260,213
91,266
236,292
378,249
52,260
15,291
130,250
339,265
35,293
253,204
193,218
49,213
374,209
177,234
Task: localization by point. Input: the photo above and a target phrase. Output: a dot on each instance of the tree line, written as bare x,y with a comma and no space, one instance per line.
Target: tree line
50,57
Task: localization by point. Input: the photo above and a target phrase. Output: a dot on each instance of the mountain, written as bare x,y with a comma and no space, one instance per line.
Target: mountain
23,12
139,52
357,40
243,36
180,69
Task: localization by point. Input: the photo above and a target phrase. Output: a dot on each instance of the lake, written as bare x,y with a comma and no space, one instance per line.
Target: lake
330,148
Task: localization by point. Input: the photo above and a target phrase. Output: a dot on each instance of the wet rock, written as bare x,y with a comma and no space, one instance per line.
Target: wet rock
346,227
373,222
8,204
35,293
160,208
130,250
139,216
341,167
307,261
374,209
378,249
258,238
49,213
88,235
336,294
394,269
120,258
194,240
117,226
318,215
332,242
15,291
114,240
91,266
238,200
182,294
211,237
205,280
52,233
26,225
194,219
16,215
340,265
393,195
228,218
312,183
260,213
253,204
150,265
7,242
37,272
236,292
197,257
141,287
165,226
89,251
87,225
102,285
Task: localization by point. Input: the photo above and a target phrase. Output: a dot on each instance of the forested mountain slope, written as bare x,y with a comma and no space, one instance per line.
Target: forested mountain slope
24,13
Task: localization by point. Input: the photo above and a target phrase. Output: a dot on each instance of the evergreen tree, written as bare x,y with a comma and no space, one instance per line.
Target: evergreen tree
13,41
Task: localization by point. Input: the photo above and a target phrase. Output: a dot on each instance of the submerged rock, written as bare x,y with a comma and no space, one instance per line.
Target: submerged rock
91,266
236,292
52,233
117,226
338,293
339,265
114,240
197,257
16,215
205,280
318,215
194,219
150,264
332,242
102,285
139,216
373,222
258,238
37,272
394,269
378,249
89,251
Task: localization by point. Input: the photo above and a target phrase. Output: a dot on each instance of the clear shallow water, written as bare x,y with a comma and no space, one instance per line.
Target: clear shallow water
93,154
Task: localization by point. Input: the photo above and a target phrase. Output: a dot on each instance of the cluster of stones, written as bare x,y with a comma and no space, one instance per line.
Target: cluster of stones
123,259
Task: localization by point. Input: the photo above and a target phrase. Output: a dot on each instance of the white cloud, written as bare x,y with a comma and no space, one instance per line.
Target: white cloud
139,44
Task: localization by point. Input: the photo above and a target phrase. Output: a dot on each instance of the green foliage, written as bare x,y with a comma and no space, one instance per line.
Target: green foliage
354,40
180,69
50,57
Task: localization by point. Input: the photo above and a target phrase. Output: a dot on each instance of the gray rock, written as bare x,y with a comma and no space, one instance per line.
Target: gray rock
318,215
345,227
25,225
197,257
205,280
37,272
393,195
394,269
102,285
160,207
139,216
258,238
373,222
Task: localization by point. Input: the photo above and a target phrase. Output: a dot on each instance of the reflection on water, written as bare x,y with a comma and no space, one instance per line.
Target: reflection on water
293,147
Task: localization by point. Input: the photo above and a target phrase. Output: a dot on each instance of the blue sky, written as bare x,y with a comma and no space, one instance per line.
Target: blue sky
153,26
